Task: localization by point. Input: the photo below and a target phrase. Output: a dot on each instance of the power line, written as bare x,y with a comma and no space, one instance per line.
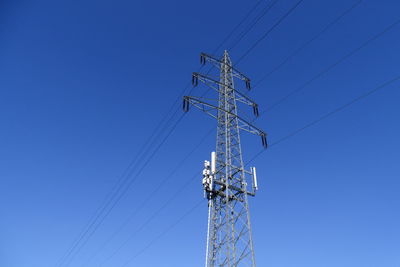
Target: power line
329,114
238,25
269,31
256,20
156,189
330,67
122,187
117,187
169,228
151,218
150,196
116,198
145,148
297,51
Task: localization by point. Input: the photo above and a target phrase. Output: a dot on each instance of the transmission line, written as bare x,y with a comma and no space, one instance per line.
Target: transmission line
330,67
256,20
152,217
110,206
238,25
269,31
150,196
169,228
298,50
329,114
114,191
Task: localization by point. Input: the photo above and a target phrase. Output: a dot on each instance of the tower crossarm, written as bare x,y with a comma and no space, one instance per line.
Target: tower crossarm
214,84
212,111
217,62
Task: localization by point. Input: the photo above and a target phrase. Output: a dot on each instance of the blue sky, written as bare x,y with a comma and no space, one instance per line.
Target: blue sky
84,84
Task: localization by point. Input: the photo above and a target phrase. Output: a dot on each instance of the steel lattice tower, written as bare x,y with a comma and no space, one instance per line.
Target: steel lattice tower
229,240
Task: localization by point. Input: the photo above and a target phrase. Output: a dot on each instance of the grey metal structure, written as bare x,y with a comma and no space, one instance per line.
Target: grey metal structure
229,240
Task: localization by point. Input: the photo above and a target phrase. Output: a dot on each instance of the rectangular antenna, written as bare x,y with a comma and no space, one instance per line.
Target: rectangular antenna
255,184
213,162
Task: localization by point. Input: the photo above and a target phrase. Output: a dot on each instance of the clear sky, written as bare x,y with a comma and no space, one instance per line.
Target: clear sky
84,84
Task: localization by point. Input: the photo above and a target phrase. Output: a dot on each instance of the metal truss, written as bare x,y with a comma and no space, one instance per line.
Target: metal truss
229,240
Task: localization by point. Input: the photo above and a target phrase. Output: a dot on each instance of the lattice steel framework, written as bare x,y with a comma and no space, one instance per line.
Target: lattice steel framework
229,241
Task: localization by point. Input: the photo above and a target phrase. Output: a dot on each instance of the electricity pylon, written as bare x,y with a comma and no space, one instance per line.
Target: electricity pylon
229,237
